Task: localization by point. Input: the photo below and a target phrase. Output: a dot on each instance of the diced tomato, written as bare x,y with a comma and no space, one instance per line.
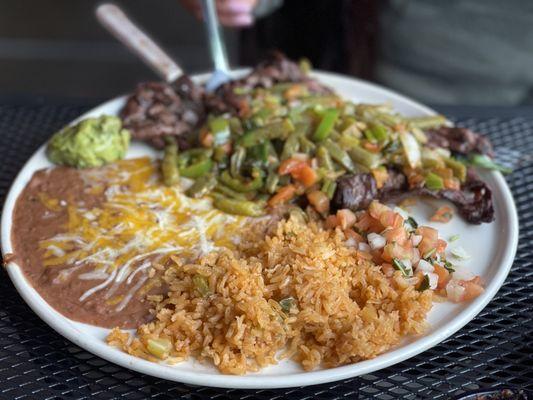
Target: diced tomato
444,214
305,174
319,200
476,279
364,254
331,222
429,239
398,235
393,250
368,224
415,179
428,232
346,218
289,165
452,183
472,289
387,269
372,147
299,170
350,233
376,256
415,255
206,138
283,195
376,209
294,92
444,172
441,246
444,276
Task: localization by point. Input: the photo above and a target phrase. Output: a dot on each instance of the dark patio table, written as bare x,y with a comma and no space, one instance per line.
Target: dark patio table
495,349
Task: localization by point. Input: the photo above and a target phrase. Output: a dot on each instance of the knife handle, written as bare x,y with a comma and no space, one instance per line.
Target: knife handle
122,28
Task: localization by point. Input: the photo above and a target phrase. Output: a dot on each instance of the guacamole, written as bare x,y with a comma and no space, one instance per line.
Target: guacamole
92,142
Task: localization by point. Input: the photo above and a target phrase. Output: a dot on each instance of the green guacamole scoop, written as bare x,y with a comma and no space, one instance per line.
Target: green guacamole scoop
92,142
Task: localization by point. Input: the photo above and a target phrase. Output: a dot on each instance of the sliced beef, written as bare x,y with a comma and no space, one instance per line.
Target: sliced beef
396,183
473,201
459,140
156,110
275,69
354,192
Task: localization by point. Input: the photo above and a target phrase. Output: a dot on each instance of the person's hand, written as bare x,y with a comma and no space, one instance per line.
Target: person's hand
232,13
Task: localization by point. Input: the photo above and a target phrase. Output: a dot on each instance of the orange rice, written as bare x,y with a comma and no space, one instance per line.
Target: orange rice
343,309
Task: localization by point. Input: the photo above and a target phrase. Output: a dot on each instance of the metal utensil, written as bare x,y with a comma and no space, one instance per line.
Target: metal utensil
119,25
216,46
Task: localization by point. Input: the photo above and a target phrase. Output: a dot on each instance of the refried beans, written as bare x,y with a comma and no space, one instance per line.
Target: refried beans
94,242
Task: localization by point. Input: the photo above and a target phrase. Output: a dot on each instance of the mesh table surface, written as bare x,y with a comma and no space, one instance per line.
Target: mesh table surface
494,349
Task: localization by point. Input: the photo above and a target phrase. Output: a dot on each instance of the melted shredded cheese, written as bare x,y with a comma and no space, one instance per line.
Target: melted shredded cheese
139,220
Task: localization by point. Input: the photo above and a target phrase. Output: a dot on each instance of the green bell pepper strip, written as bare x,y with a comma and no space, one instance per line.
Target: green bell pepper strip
432,121
236,161
328,187
185,157
379,132
434,182
339,155
324,128
306,146
238,207
227,192
220,130
197,169
236,126
272,181
369,135
482,161
202,186
324,159
169,164
347,141
364,157
239,185
275,130
458,168
291,145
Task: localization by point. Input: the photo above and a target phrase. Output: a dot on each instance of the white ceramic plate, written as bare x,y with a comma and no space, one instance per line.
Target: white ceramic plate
492,247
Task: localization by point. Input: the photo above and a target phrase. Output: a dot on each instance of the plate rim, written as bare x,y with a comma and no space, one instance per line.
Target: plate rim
62,325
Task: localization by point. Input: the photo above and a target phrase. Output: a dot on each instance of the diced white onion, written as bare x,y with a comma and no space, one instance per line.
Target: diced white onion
408,266
411,149
415,257
433,280
454,291
412,281
424,266
416,239
460,253
364,247
462,274
376,241
350,242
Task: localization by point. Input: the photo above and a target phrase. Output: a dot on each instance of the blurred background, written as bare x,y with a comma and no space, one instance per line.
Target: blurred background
475,52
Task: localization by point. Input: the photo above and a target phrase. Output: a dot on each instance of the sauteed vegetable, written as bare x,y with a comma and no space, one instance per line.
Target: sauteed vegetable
287,143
